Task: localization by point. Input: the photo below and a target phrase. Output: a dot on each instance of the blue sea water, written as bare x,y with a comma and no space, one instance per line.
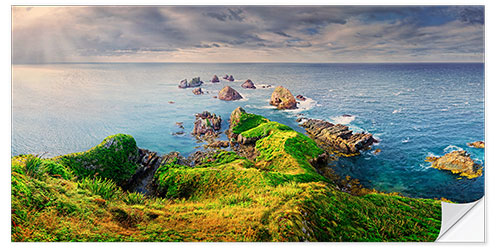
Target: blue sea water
415,110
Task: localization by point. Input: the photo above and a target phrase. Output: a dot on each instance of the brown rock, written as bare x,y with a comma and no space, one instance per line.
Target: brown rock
476,144
197,91
301,97
207,123
283,98
219,144
215,79
337,137
229,94
458,162
248,84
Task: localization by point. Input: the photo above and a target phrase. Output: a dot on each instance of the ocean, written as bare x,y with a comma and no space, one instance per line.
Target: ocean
415,110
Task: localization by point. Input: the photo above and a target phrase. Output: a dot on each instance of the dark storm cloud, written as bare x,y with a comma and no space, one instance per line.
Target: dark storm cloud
94,33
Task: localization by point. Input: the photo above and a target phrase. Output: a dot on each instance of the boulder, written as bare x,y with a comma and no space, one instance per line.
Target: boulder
207,124
248,84
458,162
283,98
219,144
197,91
337,138
195,82
300,97
476,144
230,78
183,84
229,94
225,77
215,79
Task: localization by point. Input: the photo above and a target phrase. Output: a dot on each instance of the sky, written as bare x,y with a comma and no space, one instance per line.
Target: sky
248,34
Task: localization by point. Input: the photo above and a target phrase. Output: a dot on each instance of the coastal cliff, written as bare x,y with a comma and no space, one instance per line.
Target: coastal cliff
118,192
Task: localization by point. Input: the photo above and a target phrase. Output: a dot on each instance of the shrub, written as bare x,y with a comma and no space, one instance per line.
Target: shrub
134,198
106,188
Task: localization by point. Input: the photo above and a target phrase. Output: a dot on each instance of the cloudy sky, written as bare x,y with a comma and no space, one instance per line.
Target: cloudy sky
248,34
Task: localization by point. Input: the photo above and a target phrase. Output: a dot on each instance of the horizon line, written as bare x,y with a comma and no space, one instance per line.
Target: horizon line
360,62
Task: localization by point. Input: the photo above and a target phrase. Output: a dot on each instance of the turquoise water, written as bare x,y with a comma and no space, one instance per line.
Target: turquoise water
415,110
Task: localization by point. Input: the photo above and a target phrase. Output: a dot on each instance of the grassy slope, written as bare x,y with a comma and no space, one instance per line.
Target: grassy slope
277,197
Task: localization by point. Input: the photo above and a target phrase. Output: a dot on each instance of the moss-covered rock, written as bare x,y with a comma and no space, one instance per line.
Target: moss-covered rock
114,158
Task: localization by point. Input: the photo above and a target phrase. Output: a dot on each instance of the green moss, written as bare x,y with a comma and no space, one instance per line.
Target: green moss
114,159
248,121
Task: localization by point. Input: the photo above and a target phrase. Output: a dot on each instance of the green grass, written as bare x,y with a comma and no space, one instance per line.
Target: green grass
111,159
279,196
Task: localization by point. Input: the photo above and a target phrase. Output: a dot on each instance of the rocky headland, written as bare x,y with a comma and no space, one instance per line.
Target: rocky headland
118,192
337,138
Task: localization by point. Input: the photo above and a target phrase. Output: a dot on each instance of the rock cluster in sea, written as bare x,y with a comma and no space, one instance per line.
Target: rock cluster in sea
476,144
248,84
458,162
206,124
337,137
229,94
283,98
197,91
195,82
215,79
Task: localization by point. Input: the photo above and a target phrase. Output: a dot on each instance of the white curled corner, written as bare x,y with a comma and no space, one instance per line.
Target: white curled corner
462,222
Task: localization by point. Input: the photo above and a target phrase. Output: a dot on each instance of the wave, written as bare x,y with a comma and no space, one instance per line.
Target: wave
406,140
343,119
451,148
308,104
397,111
260,106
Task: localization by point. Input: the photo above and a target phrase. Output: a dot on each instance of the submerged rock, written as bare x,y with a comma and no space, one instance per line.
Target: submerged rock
215,79
301,97
476,144
197,91
458,162
283,98
229,94
337,137
195,82
207,124
248,84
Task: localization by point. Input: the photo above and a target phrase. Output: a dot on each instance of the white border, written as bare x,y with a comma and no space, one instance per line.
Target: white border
492,125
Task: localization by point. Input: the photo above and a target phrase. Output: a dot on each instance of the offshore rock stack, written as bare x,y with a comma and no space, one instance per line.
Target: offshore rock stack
207,124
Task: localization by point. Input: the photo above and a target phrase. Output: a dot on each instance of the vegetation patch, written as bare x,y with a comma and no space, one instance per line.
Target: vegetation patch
114,158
